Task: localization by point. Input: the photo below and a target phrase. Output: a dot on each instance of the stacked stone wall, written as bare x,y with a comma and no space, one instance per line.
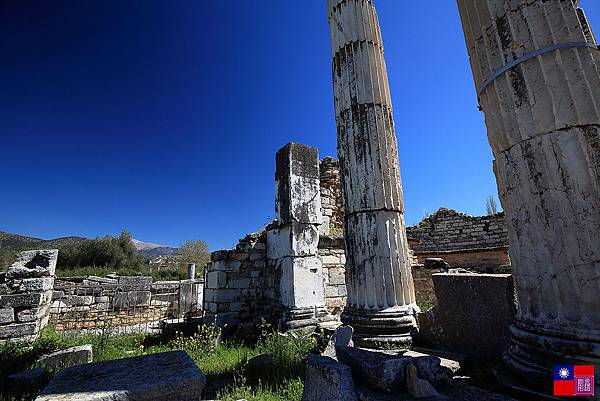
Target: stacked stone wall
239,289
331,198
25,295
120,302
449,230
333,257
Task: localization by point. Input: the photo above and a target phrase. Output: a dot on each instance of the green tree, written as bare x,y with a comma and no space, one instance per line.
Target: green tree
113,252
7,257
194,251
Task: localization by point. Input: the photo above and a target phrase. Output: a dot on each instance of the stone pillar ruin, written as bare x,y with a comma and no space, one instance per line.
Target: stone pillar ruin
26,294
381,299
536,67
292,245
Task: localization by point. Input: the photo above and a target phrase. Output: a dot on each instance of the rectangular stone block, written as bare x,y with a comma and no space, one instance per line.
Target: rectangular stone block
294,239
216,279
41,284
133,281
18,330
167,376
130,299
301,283
7,315
226,295
298,194
470,304
79,300
32,315
21,300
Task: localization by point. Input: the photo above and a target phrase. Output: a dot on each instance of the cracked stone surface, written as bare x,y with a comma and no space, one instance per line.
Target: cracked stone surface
377,262
165,376
543,120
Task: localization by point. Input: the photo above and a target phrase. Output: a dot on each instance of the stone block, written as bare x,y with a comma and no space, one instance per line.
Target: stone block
294,239
21,300
32,315
301,283
65,358
167,376
298,193
327,380
79,300
418,388
7,315
41,284
471,304
331,260
101,280
130,299
18,330
134,281
216,279
384,371
226,295
38,263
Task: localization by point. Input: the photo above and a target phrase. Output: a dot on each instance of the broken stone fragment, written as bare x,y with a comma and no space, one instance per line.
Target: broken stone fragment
38,263
384,371
327,380
65,358
417,387
169,376
341,338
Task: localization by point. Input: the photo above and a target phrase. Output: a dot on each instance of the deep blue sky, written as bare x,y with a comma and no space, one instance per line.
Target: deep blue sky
163,117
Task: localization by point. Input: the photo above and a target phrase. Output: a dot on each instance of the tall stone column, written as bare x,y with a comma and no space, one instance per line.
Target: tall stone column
381,300
543,120
292,245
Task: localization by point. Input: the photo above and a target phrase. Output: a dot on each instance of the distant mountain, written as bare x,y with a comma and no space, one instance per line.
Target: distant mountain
152,250
14,242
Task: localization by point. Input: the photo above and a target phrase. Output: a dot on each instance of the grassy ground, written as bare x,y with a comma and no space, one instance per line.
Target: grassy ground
224,364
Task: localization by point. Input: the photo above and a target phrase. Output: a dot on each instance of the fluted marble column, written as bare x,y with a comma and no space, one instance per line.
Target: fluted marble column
381,300
543,120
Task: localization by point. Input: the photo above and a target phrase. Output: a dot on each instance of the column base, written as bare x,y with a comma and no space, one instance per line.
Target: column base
299,318
392,328
534,352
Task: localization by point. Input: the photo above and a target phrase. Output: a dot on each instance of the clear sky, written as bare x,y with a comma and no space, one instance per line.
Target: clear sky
163,117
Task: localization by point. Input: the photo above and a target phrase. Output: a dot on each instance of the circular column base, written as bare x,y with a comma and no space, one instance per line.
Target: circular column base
392,328
534,352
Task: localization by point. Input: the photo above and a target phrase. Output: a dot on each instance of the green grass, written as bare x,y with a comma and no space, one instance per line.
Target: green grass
225,364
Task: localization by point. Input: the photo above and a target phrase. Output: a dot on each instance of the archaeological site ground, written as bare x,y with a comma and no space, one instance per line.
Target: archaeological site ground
336,299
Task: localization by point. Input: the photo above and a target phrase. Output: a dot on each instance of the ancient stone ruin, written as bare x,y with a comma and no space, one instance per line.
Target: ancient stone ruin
536,67
339,259
381,303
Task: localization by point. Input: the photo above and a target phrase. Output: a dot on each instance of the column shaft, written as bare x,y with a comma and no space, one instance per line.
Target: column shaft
381,299
543,125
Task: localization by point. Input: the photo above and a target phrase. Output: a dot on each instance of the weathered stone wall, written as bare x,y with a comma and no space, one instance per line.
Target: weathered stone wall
25,294
332,205
239,289
461,240
332,255
118,301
